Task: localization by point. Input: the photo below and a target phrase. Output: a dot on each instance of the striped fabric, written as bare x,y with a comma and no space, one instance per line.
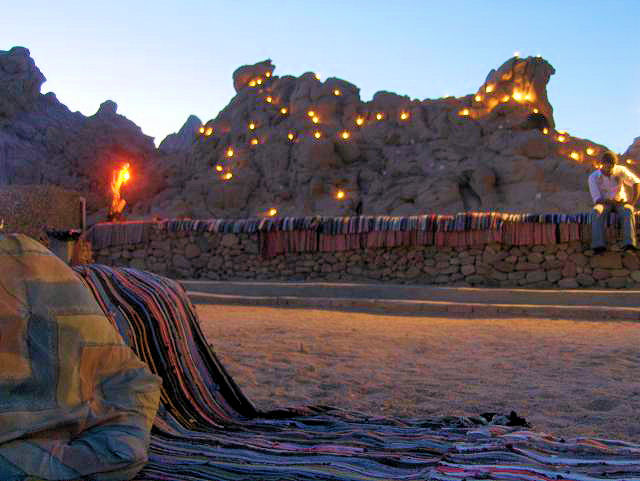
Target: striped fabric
206,429
312,234
75,401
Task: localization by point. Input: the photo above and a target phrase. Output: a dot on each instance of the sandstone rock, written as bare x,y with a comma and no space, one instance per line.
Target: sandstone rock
536,276
635,275
600,274
191,251
630,261
467,269
608,260
585,280
568,283
554,275
229,240
617,282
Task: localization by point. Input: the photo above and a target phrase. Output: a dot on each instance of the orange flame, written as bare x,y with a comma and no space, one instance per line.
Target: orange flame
118,178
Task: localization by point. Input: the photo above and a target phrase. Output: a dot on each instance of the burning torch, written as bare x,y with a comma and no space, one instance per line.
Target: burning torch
118,178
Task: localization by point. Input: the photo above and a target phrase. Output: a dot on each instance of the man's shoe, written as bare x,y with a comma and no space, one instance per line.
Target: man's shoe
599,250
630,247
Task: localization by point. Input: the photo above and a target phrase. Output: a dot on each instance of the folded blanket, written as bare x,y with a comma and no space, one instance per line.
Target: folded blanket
75,401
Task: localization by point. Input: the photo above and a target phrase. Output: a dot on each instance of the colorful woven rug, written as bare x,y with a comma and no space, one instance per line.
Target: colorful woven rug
206,429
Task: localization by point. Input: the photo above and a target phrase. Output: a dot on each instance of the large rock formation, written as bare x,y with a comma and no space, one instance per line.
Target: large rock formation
42,142
294,143
305,146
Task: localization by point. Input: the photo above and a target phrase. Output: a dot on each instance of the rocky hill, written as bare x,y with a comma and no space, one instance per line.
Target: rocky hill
304,146
43,143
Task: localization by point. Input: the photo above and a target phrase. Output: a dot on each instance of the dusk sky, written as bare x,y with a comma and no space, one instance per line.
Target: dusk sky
164,60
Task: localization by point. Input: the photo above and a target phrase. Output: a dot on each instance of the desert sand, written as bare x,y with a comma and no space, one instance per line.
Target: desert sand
569,378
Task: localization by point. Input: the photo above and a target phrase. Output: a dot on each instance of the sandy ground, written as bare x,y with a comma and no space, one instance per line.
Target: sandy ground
570,378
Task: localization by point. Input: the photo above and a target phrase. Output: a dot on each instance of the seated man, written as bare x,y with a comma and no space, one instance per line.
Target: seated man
606,186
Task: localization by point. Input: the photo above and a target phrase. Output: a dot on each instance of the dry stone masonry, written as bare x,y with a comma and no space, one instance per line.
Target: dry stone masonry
237,257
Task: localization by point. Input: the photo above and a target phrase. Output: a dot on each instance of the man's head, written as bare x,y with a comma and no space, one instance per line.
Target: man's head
608,161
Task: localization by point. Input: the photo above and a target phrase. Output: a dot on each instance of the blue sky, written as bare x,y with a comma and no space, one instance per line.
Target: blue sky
163,60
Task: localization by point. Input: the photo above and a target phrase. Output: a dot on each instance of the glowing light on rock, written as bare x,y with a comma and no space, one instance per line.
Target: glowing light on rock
629,161
505,99
229,152
575,155
337,92
535,111
545,131
516,54
562,132
315,119
252,83
259,81
201,130
255,141
528,97
340,195
590,151
345,134
404,115
290,136
269,99
489,88
478,98
209,131
311,113
561,138
273,211
267,74
517,96
359,121
464,112
227,176
219,168
317,76
317,134
379,116
284,111
252,126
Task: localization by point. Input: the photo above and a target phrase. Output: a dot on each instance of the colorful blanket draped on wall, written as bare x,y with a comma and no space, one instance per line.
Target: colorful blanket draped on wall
206,429
74,399
328,234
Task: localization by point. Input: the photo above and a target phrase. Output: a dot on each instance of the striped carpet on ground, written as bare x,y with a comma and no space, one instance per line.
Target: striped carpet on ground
206,429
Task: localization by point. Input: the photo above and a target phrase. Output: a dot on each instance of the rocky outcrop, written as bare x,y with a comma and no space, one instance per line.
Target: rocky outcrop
305,146
42,142
294,144
181,141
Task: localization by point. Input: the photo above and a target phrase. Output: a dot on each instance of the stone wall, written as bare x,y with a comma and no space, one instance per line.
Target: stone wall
191,255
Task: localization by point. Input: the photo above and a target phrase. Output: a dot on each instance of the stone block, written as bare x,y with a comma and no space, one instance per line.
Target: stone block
619,272
475,279
553,276
630,261
191,251
469,269
535,258
585,280
579,259
599,274
229,240
526,266
568,283
536,276
517,275
617,282
608,260
569,269
503,266
635,275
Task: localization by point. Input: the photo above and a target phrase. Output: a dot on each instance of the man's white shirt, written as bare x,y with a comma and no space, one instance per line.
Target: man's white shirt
612,187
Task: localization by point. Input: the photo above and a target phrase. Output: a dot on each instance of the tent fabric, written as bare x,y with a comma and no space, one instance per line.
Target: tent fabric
206,429
75,401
